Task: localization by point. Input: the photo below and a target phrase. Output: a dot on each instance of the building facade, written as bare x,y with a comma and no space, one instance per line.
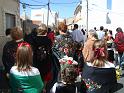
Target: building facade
107,13
9,17
41,15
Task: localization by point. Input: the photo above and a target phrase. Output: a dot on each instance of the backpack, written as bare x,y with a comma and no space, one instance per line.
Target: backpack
119,41
41,53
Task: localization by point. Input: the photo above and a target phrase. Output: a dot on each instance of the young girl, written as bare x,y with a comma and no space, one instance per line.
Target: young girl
99,74
78,55
68,75
23,77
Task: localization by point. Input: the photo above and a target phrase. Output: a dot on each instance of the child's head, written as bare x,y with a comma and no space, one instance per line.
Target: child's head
69,74
24,56
100,52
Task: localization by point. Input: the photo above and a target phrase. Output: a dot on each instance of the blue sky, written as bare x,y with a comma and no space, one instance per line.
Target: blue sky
109,4
64,9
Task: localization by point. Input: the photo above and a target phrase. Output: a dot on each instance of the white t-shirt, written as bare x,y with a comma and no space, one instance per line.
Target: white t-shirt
100,34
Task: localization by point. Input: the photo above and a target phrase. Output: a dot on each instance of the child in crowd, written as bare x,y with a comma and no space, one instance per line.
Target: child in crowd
99,74
23,77
68,76
78,55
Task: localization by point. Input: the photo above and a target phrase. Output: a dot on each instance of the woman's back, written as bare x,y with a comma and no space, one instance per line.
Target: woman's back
99,79
25,81
99,74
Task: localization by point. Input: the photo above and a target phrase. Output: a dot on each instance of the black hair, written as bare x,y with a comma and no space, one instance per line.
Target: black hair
119,29
101,27
75,25
7,32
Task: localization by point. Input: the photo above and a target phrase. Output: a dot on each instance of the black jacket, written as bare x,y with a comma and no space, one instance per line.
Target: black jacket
103,78
9,55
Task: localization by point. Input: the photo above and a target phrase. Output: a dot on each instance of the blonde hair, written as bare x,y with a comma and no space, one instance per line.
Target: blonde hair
16,33
93,33
24,57
100,53
42,29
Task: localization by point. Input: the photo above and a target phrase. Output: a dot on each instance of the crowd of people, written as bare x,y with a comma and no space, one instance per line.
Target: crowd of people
43,62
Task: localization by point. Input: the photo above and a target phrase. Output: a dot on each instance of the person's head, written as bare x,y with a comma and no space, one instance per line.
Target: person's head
110,32
78,46
49,30
7,32
101,28
69,74
92,34
119,29
24,57
62,27
100,53
75,26
16,33
42,30
95,28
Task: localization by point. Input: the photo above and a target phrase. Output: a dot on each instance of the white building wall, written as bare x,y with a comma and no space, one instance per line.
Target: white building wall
96,13
41,15
118,13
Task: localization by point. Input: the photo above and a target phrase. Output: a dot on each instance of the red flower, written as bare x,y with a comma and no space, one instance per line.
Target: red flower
70,62
66,51
87,85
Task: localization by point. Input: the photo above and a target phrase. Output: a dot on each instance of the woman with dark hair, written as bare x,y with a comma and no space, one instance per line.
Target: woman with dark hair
99,74
23,77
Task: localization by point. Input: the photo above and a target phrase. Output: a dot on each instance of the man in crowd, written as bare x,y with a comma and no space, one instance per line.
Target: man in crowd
77,35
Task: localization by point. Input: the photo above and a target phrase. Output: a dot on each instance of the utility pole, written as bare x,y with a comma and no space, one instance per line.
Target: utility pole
87,15
24,10
48,13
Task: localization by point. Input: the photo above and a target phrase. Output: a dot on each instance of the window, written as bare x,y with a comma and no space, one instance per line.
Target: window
10,20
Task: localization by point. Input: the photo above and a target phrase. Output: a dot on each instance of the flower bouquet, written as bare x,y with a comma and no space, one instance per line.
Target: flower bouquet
67,61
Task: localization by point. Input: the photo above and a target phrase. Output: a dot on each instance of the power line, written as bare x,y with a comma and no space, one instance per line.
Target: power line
36,1
35,7
30,4
64,3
